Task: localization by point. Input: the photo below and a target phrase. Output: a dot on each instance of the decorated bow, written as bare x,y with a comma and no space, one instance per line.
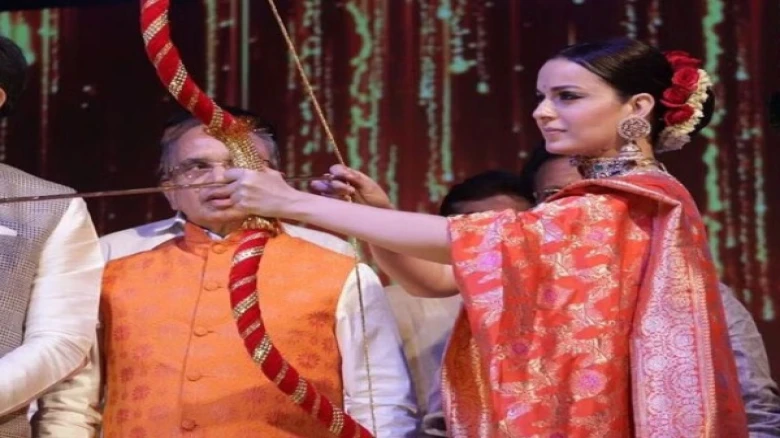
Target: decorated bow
235,134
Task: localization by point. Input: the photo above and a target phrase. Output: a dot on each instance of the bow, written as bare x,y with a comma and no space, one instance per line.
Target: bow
235,134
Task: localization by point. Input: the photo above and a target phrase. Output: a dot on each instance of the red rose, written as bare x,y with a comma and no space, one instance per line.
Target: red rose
676,116
680,59
687,77
675,96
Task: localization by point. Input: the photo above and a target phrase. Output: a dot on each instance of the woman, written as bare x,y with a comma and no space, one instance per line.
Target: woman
596,314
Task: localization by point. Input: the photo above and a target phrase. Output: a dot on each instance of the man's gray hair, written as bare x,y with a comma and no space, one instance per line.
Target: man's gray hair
173,132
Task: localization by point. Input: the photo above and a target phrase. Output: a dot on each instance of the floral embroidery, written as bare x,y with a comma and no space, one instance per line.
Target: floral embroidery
126,375
573,304
138,432
588,383
141,392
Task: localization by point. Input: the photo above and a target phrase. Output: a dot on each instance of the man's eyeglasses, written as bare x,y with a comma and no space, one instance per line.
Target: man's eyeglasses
197,170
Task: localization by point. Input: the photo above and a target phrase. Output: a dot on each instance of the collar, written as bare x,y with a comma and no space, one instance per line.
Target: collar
174,225
178,225
198,240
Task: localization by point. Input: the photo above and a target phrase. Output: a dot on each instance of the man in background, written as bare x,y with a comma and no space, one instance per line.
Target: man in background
51,269
426,323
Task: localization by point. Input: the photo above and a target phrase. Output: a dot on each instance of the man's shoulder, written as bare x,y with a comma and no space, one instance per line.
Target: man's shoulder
151,229
137,239
142,258
313,250
734,310
320,238
21,183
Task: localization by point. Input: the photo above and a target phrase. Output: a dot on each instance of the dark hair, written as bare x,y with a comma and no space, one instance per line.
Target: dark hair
13,74
632,67
485,185
539,156
182,121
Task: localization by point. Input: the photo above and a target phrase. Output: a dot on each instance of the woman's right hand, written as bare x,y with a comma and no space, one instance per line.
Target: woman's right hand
346,182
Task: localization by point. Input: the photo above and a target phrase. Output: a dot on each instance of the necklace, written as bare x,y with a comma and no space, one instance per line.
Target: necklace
593,168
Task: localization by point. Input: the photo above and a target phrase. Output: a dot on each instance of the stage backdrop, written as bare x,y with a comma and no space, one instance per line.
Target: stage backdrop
421,93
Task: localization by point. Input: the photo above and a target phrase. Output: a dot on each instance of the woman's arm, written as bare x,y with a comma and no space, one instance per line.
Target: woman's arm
265,193
414,234
417,276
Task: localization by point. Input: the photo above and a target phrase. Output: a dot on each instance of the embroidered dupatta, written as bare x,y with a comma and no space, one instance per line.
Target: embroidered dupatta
596,314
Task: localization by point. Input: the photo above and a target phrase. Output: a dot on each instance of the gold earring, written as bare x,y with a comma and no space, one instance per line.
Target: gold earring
631,129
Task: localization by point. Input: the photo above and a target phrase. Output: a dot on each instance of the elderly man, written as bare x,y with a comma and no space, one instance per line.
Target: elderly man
147,236
50,267
174,360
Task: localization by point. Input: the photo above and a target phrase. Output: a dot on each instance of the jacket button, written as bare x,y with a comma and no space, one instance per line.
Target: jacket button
188,424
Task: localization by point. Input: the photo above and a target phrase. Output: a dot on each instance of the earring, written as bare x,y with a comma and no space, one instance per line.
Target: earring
632,129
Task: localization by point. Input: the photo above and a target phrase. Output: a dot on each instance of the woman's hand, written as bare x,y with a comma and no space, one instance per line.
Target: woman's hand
346,182
252,193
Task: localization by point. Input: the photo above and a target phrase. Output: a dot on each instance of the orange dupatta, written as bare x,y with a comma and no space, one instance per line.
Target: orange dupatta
596,314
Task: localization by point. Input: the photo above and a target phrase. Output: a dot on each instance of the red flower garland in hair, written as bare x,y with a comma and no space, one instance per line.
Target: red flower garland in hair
684,83
683,99
680,58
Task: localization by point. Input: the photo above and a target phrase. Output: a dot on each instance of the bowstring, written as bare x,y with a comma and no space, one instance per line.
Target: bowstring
337,151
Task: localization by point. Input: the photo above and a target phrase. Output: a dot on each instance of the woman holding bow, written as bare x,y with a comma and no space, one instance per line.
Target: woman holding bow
596,314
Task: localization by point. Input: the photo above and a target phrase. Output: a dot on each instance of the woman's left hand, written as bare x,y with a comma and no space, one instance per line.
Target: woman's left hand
350,182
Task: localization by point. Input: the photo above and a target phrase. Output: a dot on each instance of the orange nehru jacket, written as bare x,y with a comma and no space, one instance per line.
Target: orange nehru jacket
176,365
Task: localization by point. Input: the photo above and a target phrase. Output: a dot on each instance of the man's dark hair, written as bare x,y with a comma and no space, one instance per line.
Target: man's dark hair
539,156
13,74
182,121
485,185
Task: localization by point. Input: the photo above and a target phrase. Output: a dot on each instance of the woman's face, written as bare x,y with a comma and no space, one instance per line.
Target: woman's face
578,112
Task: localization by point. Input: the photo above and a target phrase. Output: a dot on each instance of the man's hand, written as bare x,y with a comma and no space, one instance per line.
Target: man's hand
348,182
